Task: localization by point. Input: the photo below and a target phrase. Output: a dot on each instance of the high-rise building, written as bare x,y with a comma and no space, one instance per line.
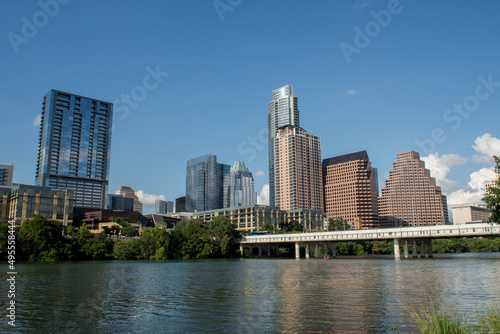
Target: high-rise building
6,175
180,204
350,188
163,207
128,192
283,110
463,214
120,203
410,196
74,146
242,186
297,169
207,184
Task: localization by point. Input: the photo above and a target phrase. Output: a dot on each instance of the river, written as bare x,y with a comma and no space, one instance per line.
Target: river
354,294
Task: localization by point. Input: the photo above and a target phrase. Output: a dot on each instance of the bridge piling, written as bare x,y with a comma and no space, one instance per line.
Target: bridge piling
316,250
297,250
397,252
414,249
334,250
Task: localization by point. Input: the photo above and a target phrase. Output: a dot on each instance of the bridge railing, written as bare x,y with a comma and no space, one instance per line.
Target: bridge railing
437,231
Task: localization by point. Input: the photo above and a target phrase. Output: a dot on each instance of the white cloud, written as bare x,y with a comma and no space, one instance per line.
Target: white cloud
350,92
149,199
260,173
37,120
474,191
487,146
263,197
440,167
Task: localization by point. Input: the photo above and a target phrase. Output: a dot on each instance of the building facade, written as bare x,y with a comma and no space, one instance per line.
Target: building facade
242,191
128,192
283,111
410,196
180,204
120,203
297,169
6,175
74,146
463,214
350,190
163,207
207,184
21,202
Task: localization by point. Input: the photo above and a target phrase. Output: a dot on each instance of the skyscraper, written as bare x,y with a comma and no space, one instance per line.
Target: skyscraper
242,186
297,174
410,196
6,175
128,192
74,146
163,207
207,184
180,204
283,110
350,188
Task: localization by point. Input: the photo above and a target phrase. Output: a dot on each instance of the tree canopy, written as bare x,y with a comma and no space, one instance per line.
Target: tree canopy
492,197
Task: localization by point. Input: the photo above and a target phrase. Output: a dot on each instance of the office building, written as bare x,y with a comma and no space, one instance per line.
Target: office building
6,175
350,190
283,111
207,184
74,146
242,186
466,214
410,196
163,207
128,192
21,202
180,204
297,169
120,203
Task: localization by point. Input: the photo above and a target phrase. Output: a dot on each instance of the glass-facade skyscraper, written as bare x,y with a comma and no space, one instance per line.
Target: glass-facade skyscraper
283,110
242,186
207,184
74,146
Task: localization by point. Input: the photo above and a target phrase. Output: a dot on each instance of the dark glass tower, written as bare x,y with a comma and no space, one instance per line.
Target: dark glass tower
74,146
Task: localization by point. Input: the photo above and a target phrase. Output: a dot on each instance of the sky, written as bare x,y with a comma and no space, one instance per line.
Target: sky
189,78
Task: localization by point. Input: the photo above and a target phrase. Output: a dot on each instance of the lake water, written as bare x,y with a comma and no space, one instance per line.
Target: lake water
356,295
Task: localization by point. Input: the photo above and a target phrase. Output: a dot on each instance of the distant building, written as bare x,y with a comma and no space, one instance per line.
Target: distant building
23,202
253,217
74,146
207,184
163,207
297,169
242,186
118,202
350,189
128,192
6,175
132,217
180,204
168,221
410,196
465,214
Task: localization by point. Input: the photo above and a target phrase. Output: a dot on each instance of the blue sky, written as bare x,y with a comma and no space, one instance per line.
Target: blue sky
393,88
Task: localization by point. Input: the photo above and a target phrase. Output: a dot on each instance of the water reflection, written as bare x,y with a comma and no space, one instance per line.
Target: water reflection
248,296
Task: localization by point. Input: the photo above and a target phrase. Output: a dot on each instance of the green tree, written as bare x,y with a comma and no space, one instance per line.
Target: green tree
292,226
337,224
224,236
267,226
129,231
492,198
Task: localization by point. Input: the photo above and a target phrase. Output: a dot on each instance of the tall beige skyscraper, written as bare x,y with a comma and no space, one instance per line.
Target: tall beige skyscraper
410,196
297,169
350,188
128,192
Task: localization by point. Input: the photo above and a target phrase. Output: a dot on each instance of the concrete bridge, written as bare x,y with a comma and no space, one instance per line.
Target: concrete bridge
405,237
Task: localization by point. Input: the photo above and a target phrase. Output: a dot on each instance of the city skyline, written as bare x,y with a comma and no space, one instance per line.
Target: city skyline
403,89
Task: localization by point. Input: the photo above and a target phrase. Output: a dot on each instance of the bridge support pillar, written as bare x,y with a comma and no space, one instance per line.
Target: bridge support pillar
325,250
269,250
241,249
334,250
405,248
260,250
316,250
429,248
422,248
307,251
414,249
297,250
397,252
